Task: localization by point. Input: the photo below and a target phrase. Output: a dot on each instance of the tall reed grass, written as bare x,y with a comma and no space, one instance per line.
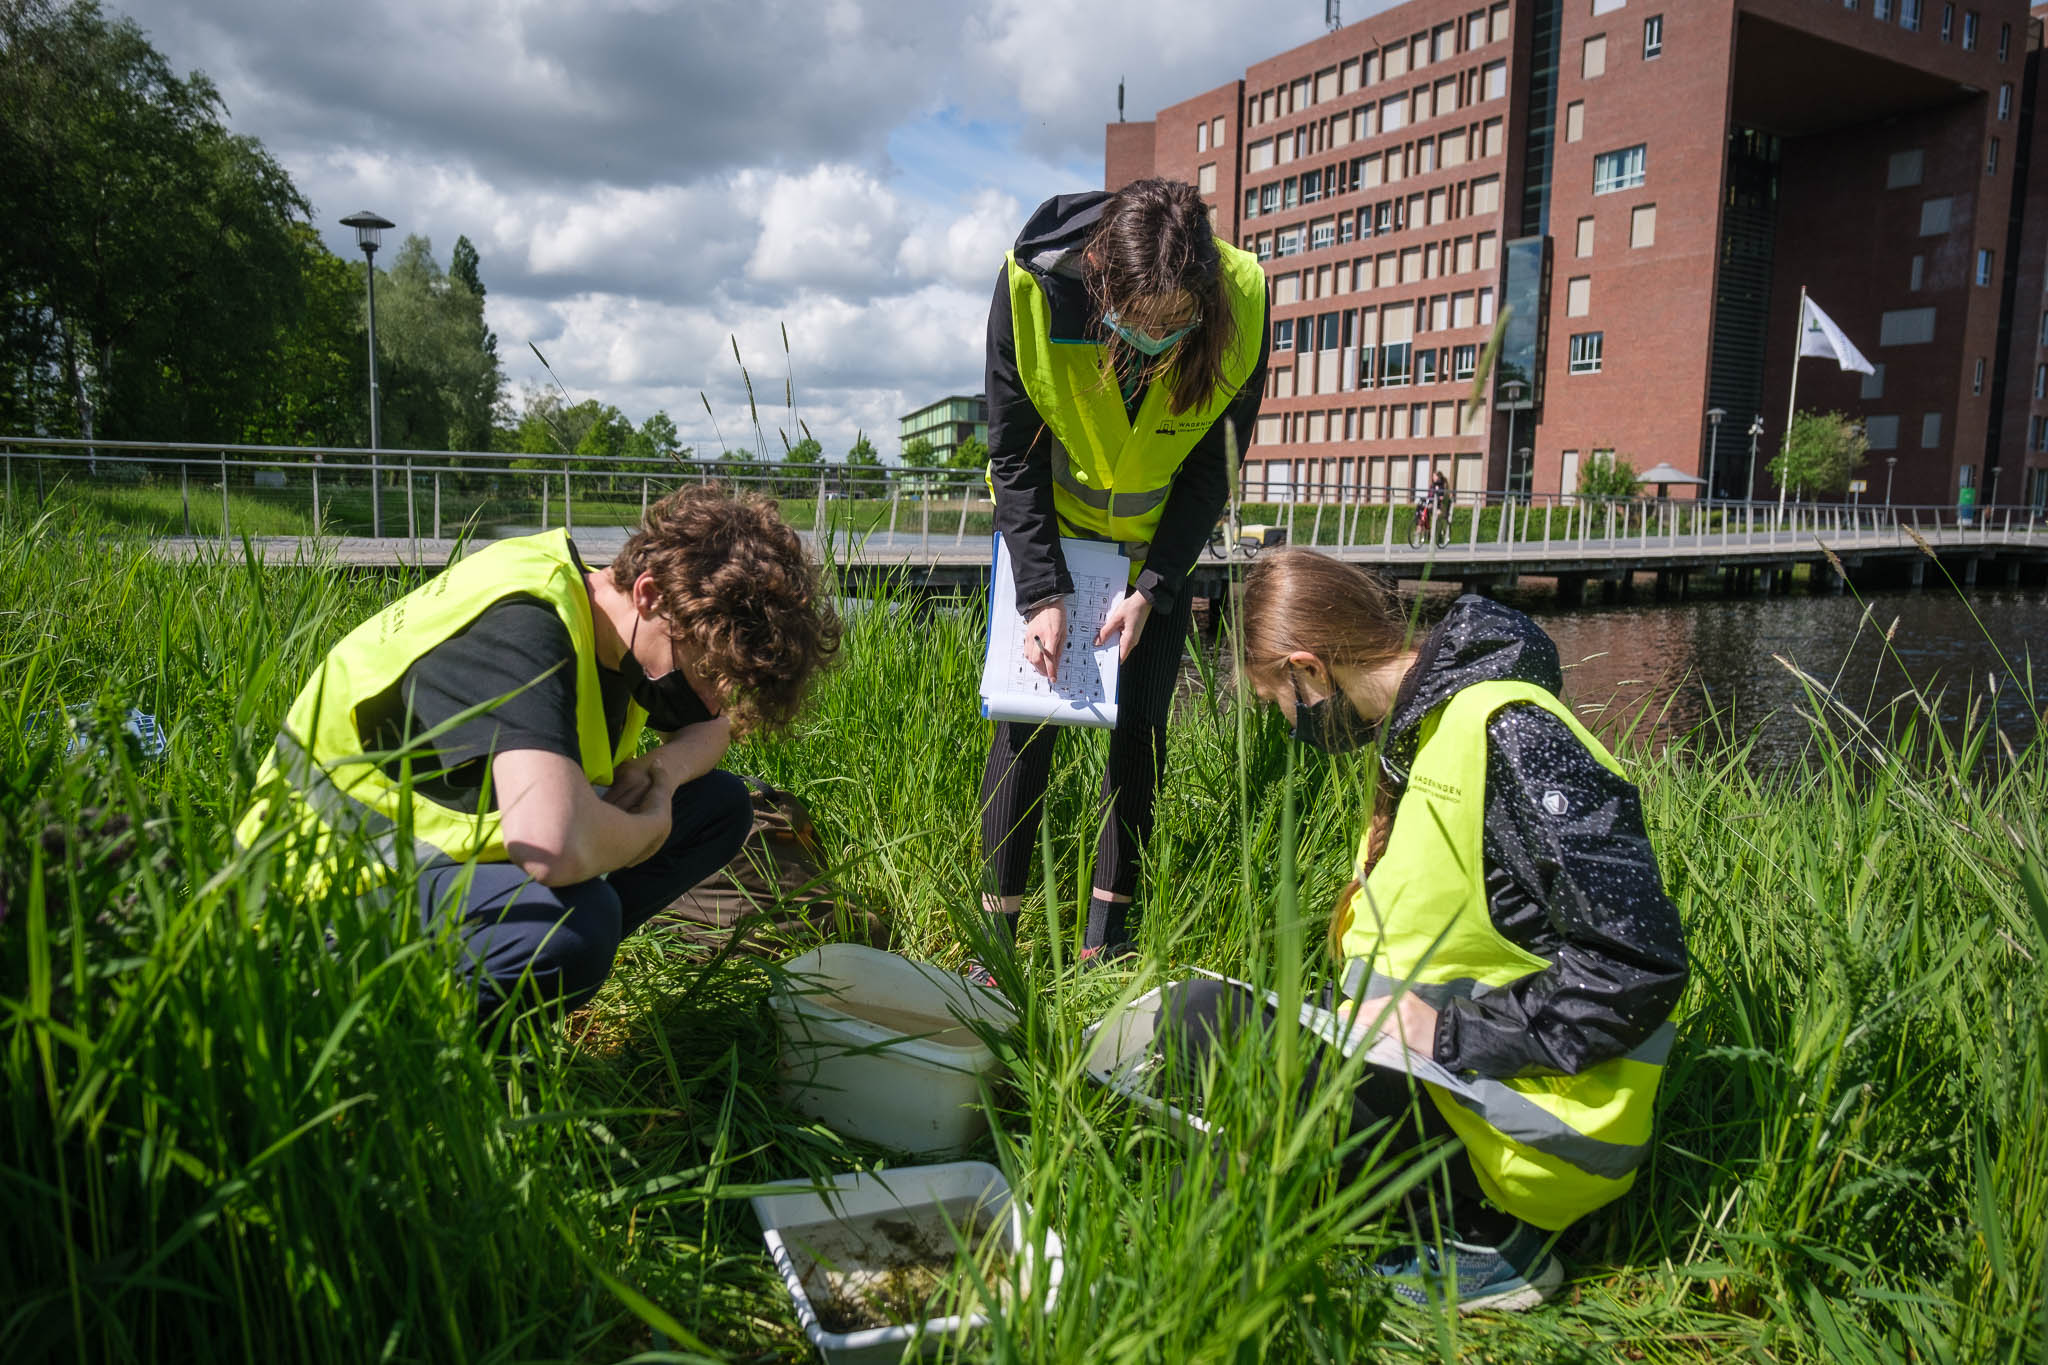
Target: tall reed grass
241,1126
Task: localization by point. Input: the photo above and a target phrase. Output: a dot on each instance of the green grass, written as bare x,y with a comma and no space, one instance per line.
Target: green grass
238,1126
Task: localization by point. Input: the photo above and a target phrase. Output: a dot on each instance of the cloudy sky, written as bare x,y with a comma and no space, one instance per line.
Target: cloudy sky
645,179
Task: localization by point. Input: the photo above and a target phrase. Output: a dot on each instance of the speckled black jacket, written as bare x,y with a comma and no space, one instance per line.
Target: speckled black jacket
1579,889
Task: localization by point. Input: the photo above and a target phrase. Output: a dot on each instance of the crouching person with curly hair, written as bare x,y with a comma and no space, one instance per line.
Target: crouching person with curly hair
483,735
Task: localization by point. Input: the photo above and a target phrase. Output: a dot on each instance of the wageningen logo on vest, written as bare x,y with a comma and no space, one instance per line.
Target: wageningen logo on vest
1433,787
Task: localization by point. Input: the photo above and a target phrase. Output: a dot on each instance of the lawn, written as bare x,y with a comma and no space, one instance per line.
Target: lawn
242,1125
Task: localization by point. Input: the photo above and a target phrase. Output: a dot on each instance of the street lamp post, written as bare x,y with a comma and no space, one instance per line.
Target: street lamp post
1714,416
1890,463
1512,390
1756,429
369,234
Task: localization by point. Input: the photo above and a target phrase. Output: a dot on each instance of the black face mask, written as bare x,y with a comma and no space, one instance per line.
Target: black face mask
1331,724
669,700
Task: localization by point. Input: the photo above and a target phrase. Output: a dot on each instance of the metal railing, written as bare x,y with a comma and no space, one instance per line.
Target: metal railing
329,490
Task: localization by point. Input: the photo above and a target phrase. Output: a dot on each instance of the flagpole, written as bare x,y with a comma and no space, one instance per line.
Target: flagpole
1792,400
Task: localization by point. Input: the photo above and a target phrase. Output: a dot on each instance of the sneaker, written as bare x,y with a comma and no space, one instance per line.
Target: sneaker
978,974
1124,954
1518,1274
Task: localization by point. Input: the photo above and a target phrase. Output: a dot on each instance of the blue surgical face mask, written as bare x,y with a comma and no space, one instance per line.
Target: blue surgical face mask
1144,342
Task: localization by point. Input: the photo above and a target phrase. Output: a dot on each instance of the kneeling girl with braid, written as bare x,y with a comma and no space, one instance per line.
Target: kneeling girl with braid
1508,918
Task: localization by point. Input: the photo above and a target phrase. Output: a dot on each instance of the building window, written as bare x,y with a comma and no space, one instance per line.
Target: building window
2004,41
1493,81
2042,336
1991,157
2037,434
1265,246
1251,203
1574,120
2005,101
1653,37
1578,296
1586,352
1593,58
1970,31
1873,383
1283,334
1930,430
1983,265
2041,381
1205,179
1346,230
1464,359
1916,273
1935,215
1311,187
1904,169
1322,234
1216,131
1977,377
1269,199
1882,432
1642,225
1948,22
1394,363
1425,366
1621,170
1201,137
1289,243
1909,15
1290,192
1881,10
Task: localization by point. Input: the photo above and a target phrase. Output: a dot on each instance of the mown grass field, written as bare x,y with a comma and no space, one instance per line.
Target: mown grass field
239,1126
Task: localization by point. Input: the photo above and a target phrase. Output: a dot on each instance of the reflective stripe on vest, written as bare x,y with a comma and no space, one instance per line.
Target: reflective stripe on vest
1112,471
341,802
1548,1149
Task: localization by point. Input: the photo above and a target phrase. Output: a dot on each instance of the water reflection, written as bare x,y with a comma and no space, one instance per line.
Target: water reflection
1661,669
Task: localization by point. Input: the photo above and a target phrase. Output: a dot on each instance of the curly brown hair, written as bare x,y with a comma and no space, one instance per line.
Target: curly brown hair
735,581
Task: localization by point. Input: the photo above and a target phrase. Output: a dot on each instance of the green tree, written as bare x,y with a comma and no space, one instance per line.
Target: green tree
917,451
440,385
864,465
316,382
152,260
971,453
1820,453
1607,476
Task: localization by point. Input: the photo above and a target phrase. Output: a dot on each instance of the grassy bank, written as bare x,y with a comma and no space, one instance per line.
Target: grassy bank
239,1126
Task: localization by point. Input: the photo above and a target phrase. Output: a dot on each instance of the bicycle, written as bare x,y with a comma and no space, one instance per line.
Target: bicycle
1428,526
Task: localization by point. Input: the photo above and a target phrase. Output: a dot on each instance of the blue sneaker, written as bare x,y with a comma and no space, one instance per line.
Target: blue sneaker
1518,1274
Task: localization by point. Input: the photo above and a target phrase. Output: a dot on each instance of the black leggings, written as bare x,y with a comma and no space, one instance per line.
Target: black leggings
1020,768
1194,1014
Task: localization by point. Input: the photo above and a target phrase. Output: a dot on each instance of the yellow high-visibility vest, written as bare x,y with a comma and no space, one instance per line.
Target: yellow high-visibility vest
349,819
1547,1149
1112,471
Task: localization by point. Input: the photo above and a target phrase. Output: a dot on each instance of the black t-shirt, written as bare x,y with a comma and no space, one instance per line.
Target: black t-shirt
516,649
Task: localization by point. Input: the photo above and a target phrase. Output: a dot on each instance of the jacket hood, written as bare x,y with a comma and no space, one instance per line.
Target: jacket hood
1052,237
1479,641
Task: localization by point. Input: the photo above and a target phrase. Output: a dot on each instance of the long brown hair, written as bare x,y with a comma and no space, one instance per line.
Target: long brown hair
1296,599
1152,248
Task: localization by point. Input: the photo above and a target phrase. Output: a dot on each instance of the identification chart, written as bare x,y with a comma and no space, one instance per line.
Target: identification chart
1011,689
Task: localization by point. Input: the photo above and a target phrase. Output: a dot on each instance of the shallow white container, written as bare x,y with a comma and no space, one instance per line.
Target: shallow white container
877,1047
1121,1058
823,1228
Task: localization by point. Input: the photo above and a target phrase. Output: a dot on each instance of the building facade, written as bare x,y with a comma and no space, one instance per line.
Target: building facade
946,425
1638,191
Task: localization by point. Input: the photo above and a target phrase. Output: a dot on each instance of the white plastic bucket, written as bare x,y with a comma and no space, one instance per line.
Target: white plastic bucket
877,1047
824,1232
1121,1057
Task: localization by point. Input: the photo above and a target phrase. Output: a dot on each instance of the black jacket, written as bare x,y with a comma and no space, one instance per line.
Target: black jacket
1020,444
1580,889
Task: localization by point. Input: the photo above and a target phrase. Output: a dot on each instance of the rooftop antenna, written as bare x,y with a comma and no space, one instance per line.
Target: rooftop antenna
1119,99
1330,15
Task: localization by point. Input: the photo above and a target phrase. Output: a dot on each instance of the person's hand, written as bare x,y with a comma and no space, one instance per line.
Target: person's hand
1045,635
1410,1021
1127,616
631,782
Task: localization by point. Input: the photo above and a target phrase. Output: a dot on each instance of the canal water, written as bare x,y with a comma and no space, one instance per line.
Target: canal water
1710,668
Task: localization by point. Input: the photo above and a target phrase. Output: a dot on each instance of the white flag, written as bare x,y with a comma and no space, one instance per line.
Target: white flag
1818,335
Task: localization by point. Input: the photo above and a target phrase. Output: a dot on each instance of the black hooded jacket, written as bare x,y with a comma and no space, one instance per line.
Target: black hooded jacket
1020,444
1570,875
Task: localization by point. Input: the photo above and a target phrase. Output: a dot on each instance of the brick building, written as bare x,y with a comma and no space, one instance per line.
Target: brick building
1643,187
